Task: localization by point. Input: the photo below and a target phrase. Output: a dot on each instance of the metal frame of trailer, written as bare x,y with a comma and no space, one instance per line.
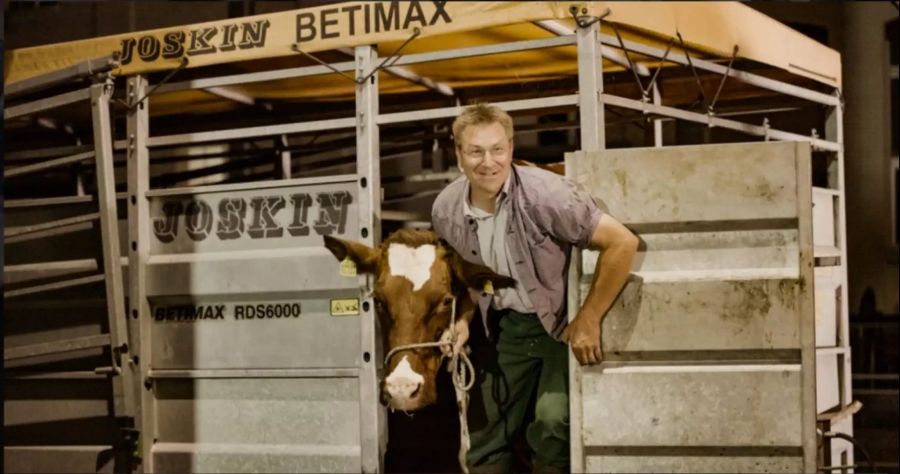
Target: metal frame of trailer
591,100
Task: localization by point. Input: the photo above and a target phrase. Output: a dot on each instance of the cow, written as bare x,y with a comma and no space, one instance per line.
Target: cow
419,280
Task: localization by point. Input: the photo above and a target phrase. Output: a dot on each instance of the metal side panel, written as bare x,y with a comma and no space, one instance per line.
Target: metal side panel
295,213
710,348
693,405
748,315
713,461
260,333
689,184
257,425
774,249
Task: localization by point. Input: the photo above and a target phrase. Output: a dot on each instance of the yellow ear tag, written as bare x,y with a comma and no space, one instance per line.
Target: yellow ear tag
489,287
348,267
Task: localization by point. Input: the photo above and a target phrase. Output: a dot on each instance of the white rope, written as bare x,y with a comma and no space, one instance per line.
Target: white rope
463,374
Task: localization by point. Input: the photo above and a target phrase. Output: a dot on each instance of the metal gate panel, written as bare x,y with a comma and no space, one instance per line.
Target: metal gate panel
709,352
702,316
259,425
254,340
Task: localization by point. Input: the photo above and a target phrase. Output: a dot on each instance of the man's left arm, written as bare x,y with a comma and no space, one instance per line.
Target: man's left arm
617,247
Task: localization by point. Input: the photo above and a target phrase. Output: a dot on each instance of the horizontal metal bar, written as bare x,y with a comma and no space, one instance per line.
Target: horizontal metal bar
36,271
715,121
342,372
881,392
832,350
67,229
832,192
749,78
218,188
54,201
448,112
858,376
552,42
27,169
252,132
249,78
53,286
56,347
40,153
27,229
76,71
77,375
826,251
47,103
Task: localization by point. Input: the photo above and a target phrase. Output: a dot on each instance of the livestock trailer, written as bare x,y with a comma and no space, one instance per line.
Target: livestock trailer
169,304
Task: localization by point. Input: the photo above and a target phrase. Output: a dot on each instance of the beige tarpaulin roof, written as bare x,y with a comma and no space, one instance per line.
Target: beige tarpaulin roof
709,29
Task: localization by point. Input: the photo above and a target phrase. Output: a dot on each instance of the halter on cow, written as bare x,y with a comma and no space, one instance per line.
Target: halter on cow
419,281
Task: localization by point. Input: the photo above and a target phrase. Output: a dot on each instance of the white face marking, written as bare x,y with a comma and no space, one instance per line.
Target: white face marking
404,375
412,263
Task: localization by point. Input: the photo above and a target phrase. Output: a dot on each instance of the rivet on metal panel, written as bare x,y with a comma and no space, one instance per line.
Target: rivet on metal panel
366,306
367,357
364,232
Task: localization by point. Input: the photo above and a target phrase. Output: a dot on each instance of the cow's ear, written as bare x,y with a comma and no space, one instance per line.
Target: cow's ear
365,257
475,276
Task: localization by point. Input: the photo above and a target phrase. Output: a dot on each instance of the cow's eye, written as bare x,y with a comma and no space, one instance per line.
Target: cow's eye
448,300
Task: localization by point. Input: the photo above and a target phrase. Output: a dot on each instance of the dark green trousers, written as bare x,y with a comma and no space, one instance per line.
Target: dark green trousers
525,366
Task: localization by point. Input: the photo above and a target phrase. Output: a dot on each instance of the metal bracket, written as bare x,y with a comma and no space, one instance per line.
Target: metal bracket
133,105
645,93
584,20
722,82
693,69
386,63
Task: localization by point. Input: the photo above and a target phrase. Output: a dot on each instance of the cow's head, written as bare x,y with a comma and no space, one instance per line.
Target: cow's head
417,277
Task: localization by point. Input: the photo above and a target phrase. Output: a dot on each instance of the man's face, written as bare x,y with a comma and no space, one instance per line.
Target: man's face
485,157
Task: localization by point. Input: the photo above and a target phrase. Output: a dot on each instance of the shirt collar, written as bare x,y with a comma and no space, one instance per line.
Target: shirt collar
470,211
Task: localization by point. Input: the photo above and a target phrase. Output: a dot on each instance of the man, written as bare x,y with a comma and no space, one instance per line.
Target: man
522,222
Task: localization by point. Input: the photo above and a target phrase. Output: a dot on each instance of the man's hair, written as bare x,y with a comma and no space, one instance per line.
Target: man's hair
481,114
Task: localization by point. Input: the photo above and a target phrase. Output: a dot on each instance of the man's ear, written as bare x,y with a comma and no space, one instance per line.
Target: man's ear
365,257
474,275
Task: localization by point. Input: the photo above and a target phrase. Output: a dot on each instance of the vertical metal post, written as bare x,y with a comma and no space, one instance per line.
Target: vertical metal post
109,234
806,306
590,89
593,138
138,164
657,123
373,418
285,157
834,131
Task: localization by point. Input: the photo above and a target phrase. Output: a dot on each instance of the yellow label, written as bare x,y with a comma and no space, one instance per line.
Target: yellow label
348,267
489,287
345,307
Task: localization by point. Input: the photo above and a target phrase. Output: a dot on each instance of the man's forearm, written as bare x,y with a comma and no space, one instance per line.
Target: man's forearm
613,267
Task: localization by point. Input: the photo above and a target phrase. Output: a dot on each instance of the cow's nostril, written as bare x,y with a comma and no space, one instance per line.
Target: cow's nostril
416,391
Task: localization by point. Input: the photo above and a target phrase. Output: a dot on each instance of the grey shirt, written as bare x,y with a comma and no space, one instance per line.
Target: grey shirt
492,243
548,214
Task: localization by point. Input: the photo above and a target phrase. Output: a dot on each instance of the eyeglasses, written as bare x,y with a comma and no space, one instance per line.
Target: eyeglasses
476,153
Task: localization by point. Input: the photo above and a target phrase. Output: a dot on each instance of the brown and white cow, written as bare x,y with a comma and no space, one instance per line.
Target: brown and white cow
417,277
